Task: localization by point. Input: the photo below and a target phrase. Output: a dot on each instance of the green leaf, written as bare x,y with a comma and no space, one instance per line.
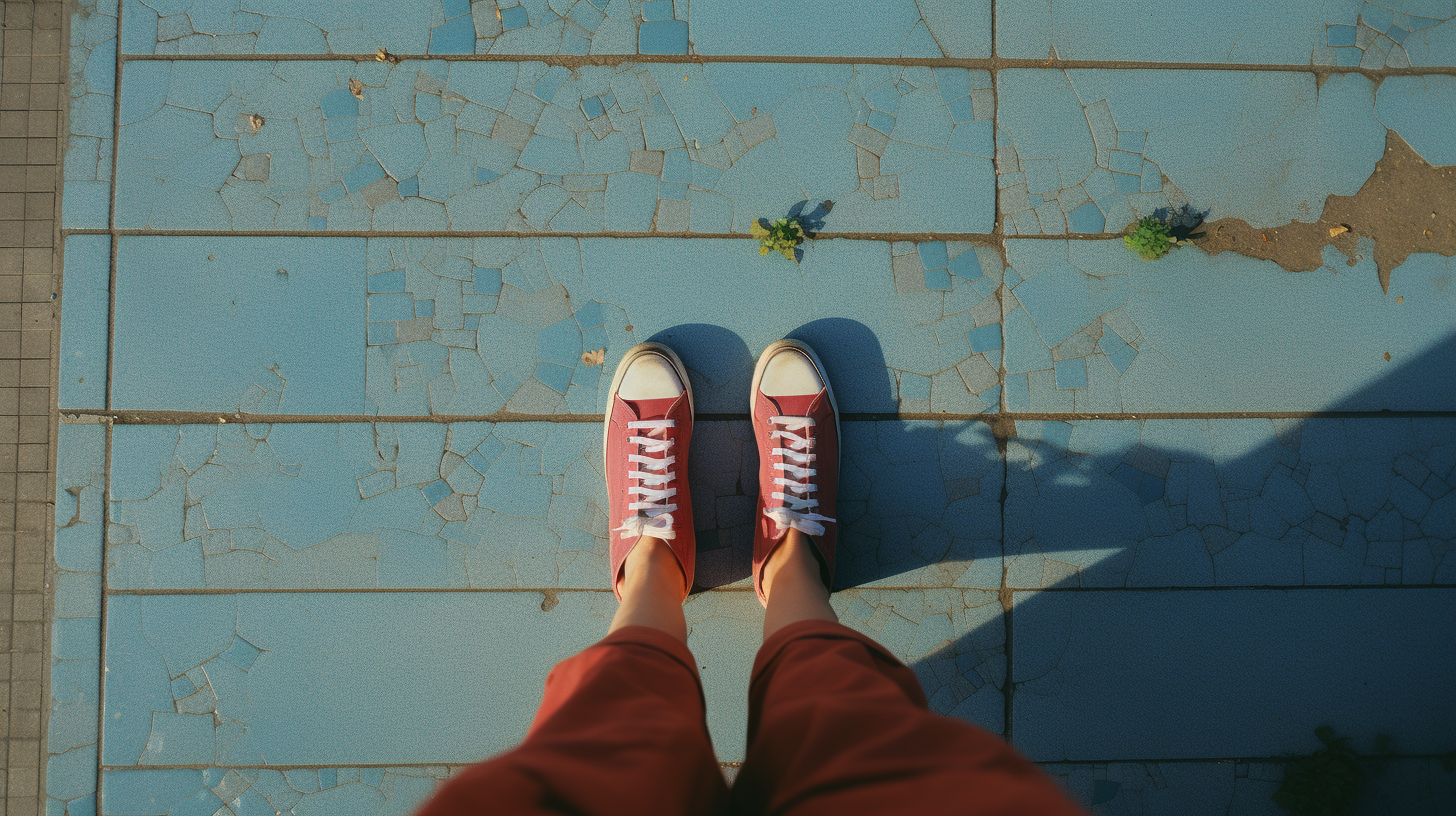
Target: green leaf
1326,734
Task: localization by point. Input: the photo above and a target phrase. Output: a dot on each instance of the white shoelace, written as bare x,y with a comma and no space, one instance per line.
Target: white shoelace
797,510
653,511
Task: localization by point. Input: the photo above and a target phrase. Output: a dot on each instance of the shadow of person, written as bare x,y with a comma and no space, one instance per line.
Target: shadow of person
1326,501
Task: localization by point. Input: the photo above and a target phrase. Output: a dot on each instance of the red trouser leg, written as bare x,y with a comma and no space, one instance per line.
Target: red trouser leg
838,726
621,730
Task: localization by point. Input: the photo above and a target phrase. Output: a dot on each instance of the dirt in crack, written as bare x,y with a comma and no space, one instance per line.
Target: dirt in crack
1407,206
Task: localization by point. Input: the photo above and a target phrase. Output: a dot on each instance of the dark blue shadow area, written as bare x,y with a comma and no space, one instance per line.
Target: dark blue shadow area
1248,505
918,501
719,362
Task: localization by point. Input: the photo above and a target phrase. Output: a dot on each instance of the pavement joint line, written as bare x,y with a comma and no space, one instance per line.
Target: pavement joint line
982,63
122,417
984,238
724,590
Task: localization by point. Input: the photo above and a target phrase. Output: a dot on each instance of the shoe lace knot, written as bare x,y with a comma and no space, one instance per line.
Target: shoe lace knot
652,509
793,461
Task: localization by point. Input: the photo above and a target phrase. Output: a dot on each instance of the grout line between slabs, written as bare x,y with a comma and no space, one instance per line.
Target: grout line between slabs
115,244
1006,590
124,417
981,63
102,635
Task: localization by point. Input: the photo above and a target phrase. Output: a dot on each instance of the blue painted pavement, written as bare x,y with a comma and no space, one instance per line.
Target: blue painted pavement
1153,521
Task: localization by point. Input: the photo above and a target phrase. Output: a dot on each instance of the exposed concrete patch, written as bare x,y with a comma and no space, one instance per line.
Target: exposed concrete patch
1407,206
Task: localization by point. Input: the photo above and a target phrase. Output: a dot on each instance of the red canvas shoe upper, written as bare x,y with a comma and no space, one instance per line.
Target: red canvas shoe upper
798,474
646,448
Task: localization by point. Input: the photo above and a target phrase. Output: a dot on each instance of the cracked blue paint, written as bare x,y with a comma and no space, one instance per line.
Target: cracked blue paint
315,675
246,791
1390,34
86,188
296,703
257,702
75,666
460,505
1259,502
1264,147
473,326
509,146
1204,675
409,27
1176,335
509,505
882,28
918,29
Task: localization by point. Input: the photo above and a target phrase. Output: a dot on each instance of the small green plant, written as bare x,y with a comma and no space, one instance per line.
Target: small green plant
1151,239
1328,781
782,236
1164,231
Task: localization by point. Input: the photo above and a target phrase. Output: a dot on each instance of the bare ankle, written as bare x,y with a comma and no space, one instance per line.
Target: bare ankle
652,567
794,559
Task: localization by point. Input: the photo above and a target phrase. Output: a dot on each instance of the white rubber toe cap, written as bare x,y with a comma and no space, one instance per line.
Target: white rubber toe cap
649,376
790,373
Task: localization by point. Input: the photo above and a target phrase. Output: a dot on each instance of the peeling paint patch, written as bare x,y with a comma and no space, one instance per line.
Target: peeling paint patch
1189,503
305,678
1091,328
508,505
313,506
877,28
1262,146
75,649
86,188
468,327
529,147
384,791
1389,34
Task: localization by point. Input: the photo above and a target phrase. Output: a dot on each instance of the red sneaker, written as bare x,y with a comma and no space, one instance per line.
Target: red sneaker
796,424
649,428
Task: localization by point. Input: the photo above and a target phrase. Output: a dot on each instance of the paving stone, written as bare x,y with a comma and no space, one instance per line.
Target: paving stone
469,327
1299,32
1223,502
1195,332
1219,674
255,668
509,505
386,791
1315,139
1414,786
772,135
84,322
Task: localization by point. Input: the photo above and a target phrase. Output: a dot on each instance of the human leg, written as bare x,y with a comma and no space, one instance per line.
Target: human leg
838,725
621,731
621,728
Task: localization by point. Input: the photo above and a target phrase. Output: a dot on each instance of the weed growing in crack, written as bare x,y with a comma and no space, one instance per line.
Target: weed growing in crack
1164,231
782,236
786,234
